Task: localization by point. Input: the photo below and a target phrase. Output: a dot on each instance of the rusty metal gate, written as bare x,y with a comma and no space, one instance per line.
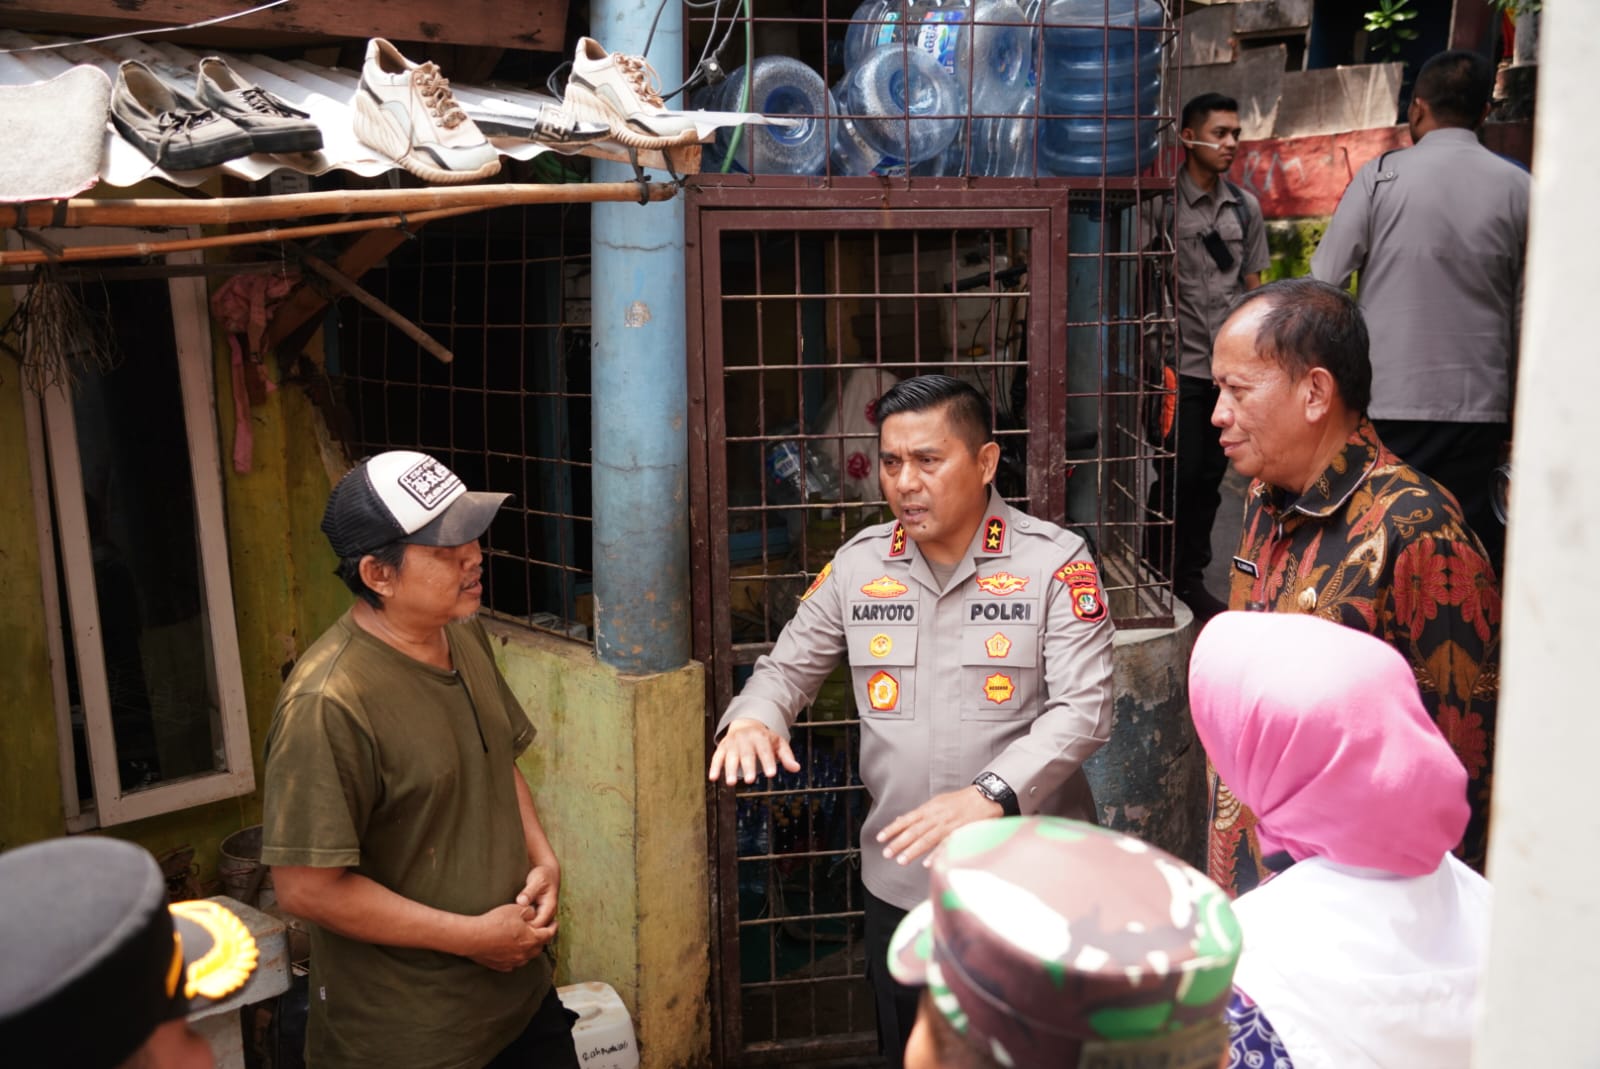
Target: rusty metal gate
804,306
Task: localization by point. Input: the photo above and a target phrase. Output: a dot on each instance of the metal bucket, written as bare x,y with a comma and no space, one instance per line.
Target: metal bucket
240,869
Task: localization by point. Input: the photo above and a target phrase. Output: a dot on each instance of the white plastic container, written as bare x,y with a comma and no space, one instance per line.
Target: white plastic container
603,1034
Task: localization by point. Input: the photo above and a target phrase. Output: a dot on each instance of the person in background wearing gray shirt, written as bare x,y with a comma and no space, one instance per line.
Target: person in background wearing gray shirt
1220,244
1437,232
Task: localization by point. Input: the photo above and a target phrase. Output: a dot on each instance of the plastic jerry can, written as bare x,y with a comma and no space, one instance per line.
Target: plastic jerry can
603,1033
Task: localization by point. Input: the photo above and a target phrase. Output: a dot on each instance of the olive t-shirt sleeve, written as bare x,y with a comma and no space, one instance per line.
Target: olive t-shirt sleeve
321,785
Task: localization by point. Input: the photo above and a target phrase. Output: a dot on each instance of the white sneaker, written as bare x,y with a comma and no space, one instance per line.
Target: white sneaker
406,111
624,92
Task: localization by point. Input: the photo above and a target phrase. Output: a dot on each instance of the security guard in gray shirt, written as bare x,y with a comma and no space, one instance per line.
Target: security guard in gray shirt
980,646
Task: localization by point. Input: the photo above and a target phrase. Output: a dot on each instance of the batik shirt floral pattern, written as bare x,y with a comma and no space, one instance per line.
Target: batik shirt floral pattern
1377,546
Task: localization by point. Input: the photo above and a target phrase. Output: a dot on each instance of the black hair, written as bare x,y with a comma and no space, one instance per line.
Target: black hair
968,411
1457,86
1204,104
1314,324
392,554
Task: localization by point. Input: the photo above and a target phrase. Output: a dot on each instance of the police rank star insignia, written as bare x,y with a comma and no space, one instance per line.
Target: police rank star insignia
994,535
897,541
821,578
1083,584
1002,583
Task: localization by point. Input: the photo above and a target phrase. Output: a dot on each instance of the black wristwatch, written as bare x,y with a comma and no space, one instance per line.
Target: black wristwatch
996,789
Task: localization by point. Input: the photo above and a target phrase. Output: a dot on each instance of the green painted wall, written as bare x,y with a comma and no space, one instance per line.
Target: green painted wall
617,773
284,595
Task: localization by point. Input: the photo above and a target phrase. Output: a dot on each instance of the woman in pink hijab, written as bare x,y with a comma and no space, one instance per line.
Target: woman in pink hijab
1366,948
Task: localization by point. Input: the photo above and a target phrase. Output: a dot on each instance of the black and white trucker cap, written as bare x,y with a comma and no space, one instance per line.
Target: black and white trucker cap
401,496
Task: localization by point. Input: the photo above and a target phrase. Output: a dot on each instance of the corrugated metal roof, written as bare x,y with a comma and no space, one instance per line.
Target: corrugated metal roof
324,92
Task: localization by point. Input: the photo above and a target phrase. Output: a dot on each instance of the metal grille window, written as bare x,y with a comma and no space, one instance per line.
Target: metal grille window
805,313
507,292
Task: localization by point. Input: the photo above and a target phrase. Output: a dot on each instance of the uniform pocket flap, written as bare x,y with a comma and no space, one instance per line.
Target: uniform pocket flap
882,645
999,644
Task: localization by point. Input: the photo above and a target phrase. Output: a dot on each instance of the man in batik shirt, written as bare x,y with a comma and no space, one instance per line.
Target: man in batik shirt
1335,525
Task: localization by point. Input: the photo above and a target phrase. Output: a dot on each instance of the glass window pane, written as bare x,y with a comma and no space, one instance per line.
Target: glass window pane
139,501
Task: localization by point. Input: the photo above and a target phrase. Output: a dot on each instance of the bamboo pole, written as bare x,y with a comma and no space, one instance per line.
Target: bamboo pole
10,258
166,211
354,289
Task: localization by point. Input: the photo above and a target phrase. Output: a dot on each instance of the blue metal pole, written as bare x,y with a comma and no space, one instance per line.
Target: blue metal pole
640,390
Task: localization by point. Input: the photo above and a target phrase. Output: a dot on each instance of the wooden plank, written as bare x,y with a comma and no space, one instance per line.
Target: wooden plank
1255,80
1271,16
537,25
306,302
1207,36
1337,99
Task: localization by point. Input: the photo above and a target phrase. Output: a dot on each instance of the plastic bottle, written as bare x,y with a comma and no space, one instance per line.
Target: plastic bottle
898,107
1100,75
820,481
779,85
873,25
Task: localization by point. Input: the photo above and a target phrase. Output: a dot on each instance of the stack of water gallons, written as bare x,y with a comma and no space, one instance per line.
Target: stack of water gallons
960,87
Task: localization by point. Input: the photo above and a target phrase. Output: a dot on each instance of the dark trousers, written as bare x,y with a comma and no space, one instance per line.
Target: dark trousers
1190,487
1461,457
896,1003
546,1043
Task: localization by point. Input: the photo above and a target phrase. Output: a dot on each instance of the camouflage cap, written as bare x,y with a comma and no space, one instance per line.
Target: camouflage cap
1049,942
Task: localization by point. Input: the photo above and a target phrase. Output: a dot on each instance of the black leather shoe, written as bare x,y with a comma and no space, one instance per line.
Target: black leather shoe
1201,602
173,129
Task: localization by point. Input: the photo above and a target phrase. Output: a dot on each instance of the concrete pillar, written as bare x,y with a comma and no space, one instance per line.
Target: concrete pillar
1149,780
640,391
1540,985
618,776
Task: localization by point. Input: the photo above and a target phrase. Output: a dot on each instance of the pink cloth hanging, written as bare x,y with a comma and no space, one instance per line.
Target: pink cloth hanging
243,306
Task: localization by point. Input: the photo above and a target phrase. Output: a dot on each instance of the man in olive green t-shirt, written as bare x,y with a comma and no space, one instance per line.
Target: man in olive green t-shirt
396,821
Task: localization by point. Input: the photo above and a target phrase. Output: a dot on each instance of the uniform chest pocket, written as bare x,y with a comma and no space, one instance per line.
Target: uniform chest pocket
999,671
882,665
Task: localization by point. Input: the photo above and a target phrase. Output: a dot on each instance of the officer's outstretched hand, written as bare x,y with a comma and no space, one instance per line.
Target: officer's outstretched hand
916,833
747,743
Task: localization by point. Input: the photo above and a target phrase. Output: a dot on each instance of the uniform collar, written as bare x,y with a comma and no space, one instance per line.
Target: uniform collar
1328,494
1460,135
992,539
1193,194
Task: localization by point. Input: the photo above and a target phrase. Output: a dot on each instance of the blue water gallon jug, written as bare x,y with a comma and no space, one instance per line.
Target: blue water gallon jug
1100,86
779,86
898,107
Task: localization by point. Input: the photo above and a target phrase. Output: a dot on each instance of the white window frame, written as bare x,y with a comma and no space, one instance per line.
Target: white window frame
52,439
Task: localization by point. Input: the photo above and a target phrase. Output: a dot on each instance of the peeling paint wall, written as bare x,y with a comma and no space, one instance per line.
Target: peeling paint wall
617,773
284,594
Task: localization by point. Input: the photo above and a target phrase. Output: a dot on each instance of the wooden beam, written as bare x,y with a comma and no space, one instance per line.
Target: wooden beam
168,211
350,286
305,302
537,25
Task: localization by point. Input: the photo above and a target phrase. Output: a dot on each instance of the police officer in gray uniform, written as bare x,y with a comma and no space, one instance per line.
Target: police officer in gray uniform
979,644
1438,232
